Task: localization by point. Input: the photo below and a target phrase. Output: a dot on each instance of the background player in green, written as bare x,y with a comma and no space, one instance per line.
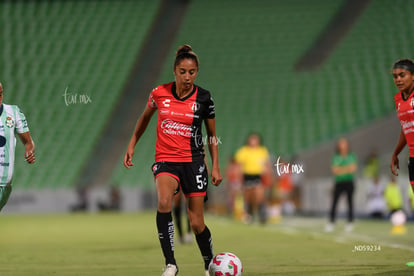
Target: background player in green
12,122
343,166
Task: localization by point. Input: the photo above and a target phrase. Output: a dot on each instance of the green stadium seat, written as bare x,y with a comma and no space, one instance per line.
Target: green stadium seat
87,46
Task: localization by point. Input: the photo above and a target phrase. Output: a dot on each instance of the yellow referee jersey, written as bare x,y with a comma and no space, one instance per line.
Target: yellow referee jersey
252,159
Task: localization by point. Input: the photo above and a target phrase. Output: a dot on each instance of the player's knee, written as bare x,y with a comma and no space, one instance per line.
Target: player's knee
197,225
164,205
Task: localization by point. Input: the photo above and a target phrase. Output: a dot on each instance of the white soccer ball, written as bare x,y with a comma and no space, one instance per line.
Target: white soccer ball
398,218
225,264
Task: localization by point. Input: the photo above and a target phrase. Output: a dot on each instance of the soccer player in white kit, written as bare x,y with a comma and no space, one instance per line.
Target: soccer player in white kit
12,122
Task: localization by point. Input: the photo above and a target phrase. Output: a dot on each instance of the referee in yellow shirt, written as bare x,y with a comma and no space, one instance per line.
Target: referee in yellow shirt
254,161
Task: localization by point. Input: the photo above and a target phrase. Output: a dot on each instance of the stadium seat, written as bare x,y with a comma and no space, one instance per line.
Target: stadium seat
84,47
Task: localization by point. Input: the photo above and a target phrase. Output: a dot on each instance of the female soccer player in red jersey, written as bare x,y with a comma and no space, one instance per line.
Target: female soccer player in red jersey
403,75
179,155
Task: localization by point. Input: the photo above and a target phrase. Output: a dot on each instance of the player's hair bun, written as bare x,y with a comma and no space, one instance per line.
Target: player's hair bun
184,49
183,52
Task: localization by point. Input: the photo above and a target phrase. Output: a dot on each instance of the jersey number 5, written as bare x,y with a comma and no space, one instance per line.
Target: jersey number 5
201,182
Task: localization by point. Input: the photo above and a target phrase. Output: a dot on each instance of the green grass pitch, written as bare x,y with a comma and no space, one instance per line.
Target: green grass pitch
127,244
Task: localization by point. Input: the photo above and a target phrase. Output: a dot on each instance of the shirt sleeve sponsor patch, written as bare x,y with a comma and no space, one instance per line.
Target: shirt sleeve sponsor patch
151,102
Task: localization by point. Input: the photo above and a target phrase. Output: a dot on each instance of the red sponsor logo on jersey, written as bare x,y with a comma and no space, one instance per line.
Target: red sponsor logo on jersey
170,127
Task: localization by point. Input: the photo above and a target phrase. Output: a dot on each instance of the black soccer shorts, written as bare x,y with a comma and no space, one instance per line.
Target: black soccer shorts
192,177
251,180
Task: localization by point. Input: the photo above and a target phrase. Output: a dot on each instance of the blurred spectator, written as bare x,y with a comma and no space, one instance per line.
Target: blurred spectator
284,189
343,166
371,169
297,179
254,160
376,205
234,178
83,200
393,196
114,203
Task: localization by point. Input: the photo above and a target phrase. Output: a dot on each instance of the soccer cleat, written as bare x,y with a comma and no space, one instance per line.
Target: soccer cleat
188,238
170,270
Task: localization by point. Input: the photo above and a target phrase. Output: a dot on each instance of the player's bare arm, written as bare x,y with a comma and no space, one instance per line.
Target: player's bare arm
29,152
216,177
395,163
142,124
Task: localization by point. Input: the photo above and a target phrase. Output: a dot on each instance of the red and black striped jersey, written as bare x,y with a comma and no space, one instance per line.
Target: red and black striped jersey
405,112
179,137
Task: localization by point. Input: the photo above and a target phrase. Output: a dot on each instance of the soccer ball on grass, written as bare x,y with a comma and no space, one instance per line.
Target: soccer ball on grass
225,264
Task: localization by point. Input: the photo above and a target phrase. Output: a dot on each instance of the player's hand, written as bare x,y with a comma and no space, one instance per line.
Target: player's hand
216,177
29,156
395,165
128,158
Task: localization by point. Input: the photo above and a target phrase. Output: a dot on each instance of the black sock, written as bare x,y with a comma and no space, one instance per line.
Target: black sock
165,228
177,218
188,226
262,213
205,244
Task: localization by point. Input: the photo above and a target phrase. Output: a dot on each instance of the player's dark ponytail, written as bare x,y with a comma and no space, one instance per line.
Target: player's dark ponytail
406,64
183,52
